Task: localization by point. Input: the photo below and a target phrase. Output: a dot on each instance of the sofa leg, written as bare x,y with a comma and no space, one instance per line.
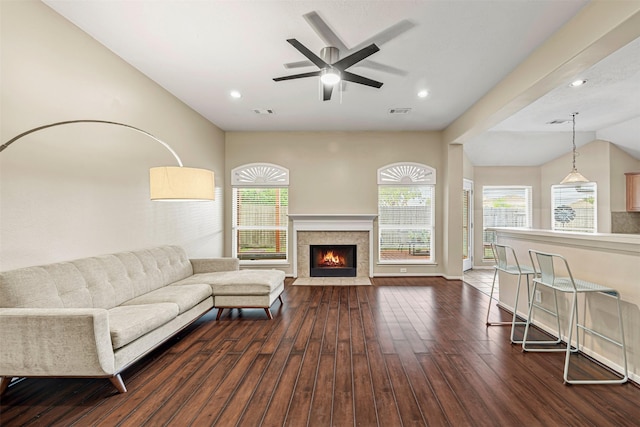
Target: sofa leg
268,313
280,298
116,380
4,383
219,313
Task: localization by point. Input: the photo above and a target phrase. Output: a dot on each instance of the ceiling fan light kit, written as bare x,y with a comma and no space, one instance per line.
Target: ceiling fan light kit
330,77
332,68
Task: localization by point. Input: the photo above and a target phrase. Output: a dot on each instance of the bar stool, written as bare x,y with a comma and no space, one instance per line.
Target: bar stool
546,276
503,254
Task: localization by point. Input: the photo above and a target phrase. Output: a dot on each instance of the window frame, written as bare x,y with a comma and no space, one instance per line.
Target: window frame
258,176
554,221
408,174
487,254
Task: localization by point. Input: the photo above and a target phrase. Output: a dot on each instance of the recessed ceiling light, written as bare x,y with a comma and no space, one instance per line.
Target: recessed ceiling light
577,83
235,94
423,93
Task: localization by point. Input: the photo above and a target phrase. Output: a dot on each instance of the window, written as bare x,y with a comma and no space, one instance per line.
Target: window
574,208
260,209
406,199
504,206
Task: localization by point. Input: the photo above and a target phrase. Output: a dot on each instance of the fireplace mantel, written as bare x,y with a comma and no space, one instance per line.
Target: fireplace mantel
333,223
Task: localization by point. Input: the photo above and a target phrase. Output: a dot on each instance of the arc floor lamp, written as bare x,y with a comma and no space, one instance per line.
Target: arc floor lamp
165,182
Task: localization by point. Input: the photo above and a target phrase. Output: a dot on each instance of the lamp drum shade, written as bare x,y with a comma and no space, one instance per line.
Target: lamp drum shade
181,183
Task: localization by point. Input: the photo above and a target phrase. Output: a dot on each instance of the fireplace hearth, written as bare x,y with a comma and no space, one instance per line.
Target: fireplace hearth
332,261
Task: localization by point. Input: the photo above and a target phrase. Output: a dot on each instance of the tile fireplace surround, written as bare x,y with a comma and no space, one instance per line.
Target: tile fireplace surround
328,229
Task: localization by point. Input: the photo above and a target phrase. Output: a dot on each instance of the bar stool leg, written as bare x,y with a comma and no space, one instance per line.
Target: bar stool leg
493,285
515,309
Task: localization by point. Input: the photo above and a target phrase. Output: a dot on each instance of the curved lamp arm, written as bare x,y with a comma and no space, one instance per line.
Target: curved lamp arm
166,183
30,131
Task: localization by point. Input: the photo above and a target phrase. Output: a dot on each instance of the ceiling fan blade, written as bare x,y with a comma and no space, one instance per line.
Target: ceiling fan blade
350,77
306,52
297,76
298,64
388,34
323,31
367,63
326,92
358,56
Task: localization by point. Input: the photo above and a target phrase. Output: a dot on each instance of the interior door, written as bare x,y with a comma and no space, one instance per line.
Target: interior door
467,225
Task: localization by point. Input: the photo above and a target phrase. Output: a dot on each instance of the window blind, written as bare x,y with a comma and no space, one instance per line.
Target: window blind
504,206
260,223
574,208
405,223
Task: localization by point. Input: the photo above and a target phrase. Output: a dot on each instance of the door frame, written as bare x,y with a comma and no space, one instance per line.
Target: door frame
467,186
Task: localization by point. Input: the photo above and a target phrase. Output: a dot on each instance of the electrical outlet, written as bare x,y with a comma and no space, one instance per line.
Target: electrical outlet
538,297
403,270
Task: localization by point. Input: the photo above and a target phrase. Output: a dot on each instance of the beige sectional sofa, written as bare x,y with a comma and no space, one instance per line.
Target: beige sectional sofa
96,316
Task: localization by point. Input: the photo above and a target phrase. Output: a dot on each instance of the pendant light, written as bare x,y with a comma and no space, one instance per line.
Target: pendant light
574,176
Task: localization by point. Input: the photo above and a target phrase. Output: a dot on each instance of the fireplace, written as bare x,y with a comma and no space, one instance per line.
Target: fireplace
332,229
332,260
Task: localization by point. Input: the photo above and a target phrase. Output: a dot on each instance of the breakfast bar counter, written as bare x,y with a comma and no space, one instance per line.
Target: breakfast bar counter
608,259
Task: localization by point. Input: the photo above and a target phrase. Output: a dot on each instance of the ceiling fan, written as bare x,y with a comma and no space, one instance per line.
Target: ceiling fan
331,69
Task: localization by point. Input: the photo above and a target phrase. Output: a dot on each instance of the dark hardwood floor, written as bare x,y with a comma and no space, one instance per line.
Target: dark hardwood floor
406,351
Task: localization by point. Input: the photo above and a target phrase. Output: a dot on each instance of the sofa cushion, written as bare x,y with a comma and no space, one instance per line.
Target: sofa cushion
58,285
127,323
185,296
97,282
241,282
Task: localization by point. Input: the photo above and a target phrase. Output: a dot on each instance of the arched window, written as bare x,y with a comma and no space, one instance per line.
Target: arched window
406,206
260,209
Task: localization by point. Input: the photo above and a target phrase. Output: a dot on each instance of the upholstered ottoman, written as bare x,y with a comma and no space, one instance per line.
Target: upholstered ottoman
246,289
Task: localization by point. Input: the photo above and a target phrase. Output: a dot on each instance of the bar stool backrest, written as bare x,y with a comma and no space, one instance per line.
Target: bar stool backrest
503,254
547,272
500,255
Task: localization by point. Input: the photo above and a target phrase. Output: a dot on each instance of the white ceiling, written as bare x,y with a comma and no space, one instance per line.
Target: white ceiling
457,50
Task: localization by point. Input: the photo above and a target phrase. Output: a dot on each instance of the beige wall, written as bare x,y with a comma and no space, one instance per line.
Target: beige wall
82,190
335,173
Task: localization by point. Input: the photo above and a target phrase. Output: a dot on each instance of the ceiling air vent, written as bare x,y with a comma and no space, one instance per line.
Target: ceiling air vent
558,122
400,111
262,111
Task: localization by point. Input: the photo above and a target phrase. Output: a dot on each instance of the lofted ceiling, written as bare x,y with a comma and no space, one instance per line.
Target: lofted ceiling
456,50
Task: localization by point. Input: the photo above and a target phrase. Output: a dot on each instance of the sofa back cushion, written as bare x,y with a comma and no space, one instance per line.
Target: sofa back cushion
100,282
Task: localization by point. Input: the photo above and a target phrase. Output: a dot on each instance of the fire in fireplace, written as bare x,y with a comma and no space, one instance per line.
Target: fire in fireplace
333,260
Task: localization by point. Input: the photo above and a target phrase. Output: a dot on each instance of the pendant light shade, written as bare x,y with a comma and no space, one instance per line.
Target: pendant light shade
574,176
